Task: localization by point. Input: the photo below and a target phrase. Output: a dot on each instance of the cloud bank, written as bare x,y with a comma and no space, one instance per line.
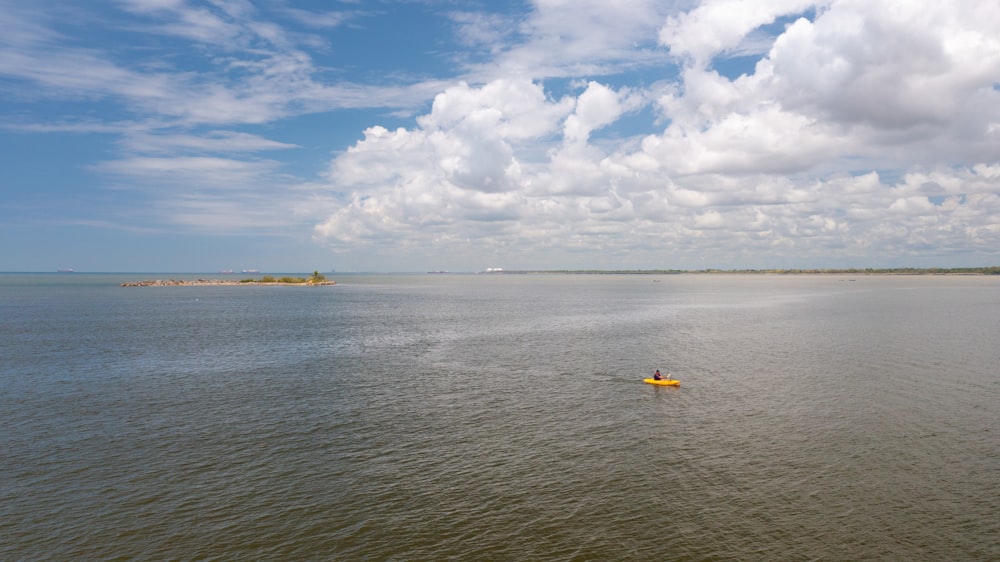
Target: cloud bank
720,133
866,133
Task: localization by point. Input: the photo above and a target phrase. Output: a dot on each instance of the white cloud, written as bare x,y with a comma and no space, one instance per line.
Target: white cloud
887,64
521,108
580,38
596,107
459,166
212,141
190,172
476,29
779,165
202,25
243,70
718,26
587,133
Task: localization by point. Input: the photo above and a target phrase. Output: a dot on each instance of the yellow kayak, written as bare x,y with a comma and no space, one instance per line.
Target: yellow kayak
663,382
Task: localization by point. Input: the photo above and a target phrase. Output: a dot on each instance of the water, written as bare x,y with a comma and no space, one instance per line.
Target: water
481,417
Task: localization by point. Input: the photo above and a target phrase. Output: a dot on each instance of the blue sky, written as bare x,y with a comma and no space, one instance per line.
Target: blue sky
292,135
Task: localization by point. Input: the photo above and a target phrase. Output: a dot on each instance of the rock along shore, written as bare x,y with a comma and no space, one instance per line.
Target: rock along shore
208,282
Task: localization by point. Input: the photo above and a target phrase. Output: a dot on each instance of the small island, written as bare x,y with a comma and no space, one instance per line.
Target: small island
317,279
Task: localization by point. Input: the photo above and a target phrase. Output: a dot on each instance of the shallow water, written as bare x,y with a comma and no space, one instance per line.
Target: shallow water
501,417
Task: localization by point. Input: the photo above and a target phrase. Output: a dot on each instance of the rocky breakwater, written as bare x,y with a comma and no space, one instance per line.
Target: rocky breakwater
207,282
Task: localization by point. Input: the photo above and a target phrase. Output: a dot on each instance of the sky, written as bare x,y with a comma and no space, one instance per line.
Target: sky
426,135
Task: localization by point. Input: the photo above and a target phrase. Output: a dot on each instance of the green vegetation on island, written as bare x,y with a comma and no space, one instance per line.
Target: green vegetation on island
314,279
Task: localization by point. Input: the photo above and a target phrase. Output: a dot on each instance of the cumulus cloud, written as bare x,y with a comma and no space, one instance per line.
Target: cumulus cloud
589,134
461,165
596,107
718,26
781,164
889,65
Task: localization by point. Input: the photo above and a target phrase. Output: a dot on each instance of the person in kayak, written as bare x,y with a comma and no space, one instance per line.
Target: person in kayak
657,376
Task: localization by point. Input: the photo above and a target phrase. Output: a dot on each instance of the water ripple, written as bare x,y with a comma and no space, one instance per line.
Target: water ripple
503,419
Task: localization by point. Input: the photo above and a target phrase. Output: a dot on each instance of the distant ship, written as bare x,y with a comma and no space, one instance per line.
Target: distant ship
251,271
226,271
67,270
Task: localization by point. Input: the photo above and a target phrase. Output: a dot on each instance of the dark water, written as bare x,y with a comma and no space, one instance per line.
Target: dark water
501,418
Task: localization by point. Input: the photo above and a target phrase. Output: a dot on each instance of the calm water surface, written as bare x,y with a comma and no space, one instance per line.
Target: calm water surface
484,417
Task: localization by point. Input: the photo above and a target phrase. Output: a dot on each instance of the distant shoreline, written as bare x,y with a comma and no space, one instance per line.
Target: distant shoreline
321,280
992,270
213,282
